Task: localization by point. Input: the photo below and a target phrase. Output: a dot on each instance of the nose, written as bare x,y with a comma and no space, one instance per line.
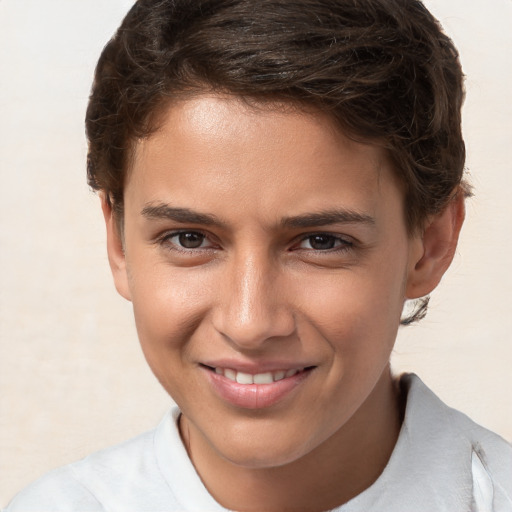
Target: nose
252,306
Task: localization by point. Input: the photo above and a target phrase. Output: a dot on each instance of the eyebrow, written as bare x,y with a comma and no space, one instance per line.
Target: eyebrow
327,217
182,215
307,220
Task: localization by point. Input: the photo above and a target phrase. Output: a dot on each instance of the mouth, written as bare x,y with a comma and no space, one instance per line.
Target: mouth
255,390
257,378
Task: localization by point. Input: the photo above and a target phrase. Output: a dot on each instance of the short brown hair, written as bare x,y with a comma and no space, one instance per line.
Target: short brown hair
383,69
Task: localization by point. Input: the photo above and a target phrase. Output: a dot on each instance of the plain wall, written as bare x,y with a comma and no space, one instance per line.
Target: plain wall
72,377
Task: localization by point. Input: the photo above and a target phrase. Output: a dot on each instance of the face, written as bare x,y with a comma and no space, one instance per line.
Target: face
267,260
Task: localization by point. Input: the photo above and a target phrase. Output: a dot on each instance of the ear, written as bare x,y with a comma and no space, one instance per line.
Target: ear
115,249
434,249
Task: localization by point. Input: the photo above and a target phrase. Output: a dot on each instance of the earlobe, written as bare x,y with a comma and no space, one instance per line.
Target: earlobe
115,249
435,249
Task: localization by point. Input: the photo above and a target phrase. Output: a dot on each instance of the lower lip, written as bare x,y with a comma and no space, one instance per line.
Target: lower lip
254,396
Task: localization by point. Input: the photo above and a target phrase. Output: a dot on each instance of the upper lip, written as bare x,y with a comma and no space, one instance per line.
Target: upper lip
255,367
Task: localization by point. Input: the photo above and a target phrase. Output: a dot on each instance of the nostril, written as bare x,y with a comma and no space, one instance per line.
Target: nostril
249,320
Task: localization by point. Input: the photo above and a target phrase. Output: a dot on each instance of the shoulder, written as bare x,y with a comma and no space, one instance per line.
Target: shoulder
96,483
58,491
426,409
150,472
442,461
451,434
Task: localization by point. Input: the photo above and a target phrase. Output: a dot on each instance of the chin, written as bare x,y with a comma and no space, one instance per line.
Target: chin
258,460
264,451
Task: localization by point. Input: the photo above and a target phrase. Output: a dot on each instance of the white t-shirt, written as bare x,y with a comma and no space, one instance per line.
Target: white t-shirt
442,462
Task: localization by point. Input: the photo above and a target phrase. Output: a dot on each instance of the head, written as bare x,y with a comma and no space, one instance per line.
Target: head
232,122
382,70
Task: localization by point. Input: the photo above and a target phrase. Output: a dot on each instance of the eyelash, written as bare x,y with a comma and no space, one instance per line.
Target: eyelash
343,244
165,240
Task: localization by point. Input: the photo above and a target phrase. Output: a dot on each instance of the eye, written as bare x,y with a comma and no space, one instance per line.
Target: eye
324,242
187,240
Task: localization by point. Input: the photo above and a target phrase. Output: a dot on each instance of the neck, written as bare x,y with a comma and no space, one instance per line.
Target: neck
331,474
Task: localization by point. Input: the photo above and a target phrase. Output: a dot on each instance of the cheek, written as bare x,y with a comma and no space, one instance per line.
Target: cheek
357,300
357,310
168,310
168,304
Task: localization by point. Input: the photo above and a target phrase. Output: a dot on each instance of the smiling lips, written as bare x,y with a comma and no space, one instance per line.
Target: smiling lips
258,390
258,378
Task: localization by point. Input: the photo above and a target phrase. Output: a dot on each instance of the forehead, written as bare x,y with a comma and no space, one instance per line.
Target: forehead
213,151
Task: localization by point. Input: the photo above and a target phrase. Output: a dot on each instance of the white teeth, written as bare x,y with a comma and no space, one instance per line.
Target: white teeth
263,378
244,378
230,374
258,378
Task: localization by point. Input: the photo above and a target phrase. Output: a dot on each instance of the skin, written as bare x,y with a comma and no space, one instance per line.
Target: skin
258,288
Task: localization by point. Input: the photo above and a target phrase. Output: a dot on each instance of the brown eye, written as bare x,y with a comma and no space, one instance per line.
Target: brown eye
190,240
322,242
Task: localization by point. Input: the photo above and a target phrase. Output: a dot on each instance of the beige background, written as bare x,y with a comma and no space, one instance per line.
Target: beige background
72,378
